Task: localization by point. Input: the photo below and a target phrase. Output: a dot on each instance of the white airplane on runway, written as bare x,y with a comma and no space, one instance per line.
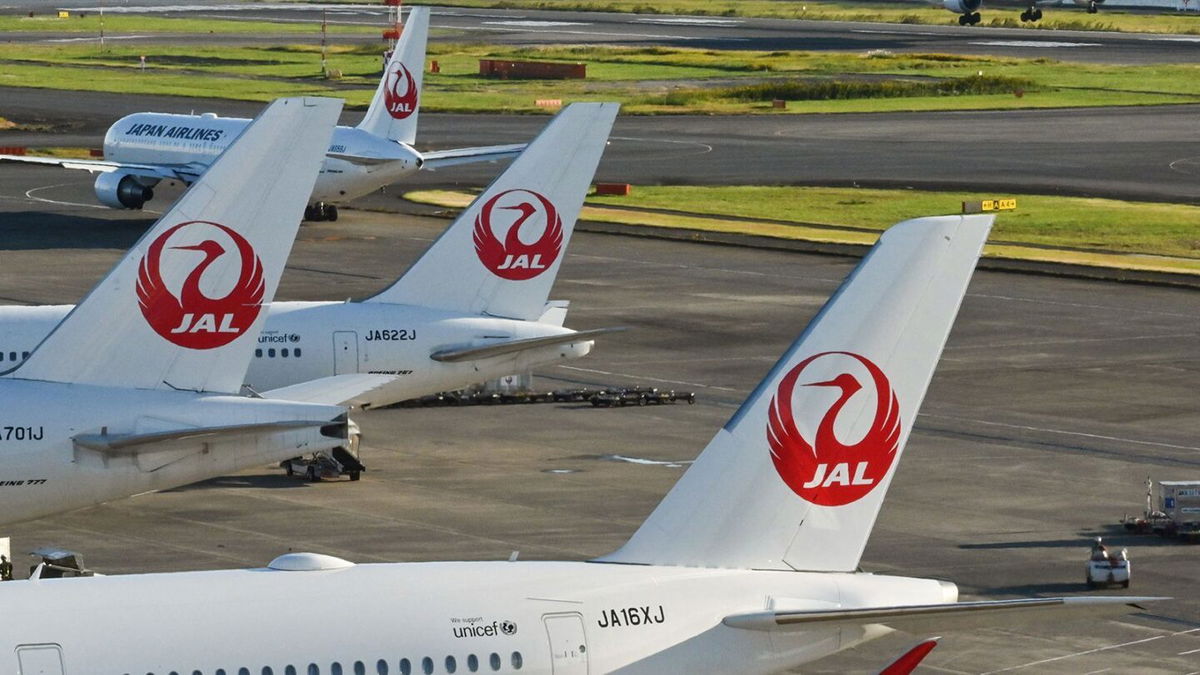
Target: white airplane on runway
472,308
747,566
136,390
968,10
144,148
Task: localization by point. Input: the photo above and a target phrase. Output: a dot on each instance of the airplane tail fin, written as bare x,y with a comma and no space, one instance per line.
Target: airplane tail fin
795,479
501,255
393,112
183,309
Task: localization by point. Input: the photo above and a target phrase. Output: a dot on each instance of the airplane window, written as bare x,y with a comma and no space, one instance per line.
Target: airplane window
296,352
405,667
271,353
283,352
494,660
24,355
289,670
359,668
427,665
220,671
267,671
335,668
243,671
314,669
12,356
258,353
196,672
517,661
451,664
472,663
381,667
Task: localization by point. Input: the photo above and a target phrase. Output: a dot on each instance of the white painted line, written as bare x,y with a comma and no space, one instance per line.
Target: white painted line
1190,651
1048,44
96,38
690,21
30,195
1079,434
1071,656
643,376
647,36
895,32
535,24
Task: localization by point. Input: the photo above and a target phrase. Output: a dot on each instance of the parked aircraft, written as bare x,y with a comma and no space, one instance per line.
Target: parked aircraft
136,389
144,148
747,566
472,308
968,10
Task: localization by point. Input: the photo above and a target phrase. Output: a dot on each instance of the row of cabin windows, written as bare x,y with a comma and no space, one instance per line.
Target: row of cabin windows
282,352
12,356
425,666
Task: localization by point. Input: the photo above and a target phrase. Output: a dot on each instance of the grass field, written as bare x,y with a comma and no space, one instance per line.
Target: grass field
645,80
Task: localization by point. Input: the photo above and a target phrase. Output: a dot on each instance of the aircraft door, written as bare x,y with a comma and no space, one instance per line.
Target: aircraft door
345,352
568,644
40,659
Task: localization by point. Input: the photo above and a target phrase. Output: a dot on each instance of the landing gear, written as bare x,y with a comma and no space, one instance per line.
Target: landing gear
1031,14
321,211
969,19
1092,8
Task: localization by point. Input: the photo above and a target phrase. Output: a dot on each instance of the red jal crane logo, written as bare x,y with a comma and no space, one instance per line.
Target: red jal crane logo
513,258
823,470
400,92
192,319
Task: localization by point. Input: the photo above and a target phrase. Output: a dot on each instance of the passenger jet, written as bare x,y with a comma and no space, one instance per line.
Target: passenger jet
144,148
747,566
968,10
472,308
137,388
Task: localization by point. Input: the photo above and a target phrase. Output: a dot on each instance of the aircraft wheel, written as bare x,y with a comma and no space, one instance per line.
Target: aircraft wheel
1092,9
963,19
1037,15
976,18
355,475
331,213
1024,16
312,474
287,468
310,213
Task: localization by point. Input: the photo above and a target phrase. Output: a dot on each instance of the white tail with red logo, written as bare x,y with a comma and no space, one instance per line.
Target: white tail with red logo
501,255
184,307
393,111
795,479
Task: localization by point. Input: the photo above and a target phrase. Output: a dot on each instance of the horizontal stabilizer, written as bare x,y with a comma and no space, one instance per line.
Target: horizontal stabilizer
439,159
943,615
132,444
512,346
184,172
345,390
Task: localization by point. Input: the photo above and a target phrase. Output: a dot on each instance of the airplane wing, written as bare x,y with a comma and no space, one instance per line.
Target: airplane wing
187,173
437,159
943,615
473,353
344,390
910,659
133,444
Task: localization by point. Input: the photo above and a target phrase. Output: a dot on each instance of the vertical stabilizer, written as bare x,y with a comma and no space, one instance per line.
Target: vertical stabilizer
501,255
393,111
183,309
795,479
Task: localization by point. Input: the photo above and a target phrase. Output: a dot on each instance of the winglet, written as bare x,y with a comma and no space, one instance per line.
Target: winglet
183,308
393,110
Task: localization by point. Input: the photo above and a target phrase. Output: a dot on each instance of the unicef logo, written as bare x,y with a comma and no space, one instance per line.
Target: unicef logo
508,628
293,337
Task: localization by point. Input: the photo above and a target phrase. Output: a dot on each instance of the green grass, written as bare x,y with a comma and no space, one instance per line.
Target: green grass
1102,224
645,80
140,23
1055,18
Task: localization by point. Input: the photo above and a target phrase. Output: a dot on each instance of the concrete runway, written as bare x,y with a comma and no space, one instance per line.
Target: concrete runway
1147,153
526,27
1053,401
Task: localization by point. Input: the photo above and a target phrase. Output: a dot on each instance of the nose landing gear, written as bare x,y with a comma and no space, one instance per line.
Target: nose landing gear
321,211
969,19
1031,14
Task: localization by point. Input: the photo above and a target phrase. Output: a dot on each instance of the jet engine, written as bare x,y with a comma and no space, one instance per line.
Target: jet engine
124,191
967,9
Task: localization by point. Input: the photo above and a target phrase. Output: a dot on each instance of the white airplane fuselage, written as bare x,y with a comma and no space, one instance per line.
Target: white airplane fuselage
304,341
163,138
559,618
44,471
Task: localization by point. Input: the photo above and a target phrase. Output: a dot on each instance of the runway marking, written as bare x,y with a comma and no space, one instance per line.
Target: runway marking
643,376
1048,44
1190,651
1080,434
1188,166
692,21
29,194
97,38
647,36
1091,651
531,23
895,32
705,148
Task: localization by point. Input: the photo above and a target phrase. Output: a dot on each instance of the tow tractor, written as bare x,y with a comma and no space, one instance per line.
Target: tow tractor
1107,568
1175,516
329,464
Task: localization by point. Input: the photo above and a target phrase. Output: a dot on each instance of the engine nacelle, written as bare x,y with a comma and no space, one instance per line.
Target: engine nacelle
963,6
123,191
